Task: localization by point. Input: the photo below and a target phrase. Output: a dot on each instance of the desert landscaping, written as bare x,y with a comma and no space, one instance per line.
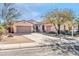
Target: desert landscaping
16,39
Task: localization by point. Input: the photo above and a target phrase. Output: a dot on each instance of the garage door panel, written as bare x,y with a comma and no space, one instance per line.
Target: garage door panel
23,29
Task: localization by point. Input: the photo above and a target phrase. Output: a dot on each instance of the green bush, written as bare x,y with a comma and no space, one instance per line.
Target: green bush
1,29
1,32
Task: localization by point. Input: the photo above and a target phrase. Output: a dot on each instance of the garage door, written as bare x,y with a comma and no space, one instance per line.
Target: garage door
23,29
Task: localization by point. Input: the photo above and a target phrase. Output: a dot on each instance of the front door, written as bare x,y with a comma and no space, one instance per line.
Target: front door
37,29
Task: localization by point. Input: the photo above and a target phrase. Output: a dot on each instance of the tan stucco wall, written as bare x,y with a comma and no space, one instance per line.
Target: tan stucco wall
49,27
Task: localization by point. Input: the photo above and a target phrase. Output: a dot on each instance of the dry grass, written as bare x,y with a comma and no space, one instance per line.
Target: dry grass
15,39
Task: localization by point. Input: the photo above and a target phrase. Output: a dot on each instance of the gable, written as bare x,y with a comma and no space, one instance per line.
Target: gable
22,23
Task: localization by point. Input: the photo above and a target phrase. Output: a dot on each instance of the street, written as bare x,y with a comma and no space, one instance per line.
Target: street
33,51
36,51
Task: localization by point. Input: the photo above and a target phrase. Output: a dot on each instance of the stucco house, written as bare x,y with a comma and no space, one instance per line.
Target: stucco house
29,26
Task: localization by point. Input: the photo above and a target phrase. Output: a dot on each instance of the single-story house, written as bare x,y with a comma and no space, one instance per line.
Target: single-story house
29,26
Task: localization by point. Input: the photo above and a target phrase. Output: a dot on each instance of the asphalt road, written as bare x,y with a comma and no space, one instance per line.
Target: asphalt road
33,51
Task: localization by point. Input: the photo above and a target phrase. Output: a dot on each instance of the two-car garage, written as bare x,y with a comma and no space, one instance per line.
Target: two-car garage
23,29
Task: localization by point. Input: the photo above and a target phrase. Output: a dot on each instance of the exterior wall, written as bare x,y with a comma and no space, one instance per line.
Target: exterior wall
40,28
49,27
66,27
62,27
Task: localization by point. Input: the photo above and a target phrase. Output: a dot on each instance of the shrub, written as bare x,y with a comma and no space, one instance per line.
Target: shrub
1,32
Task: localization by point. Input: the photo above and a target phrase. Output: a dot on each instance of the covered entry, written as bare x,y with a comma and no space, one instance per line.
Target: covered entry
10,30
23,29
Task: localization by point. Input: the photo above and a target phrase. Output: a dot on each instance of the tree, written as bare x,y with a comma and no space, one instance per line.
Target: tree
8,14
59,17
77,20
1,31
68,15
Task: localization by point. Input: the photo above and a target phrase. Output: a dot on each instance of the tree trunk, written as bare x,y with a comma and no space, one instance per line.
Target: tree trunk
0,36
78,27
72,31
58,29
64,28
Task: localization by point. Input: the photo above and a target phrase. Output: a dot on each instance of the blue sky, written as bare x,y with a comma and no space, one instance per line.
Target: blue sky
36,10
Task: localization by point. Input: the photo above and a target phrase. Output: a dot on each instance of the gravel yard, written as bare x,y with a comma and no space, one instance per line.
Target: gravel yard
15,39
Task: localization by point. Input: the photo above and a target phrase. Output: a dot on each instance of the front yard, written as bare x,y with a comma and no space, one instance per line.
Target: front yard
47,45
15,39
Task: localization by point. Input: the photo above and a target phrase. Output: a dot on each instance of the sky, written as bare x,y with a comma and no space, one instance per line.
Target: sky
36,10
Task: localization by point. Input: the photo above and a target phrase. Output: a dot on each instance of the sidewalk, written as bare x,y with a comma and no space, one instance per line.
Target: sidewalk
18,45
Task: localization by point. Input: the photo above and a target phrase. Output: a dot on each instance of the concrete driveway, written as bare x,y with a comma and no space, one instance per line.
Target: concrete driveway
40,38
45,39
